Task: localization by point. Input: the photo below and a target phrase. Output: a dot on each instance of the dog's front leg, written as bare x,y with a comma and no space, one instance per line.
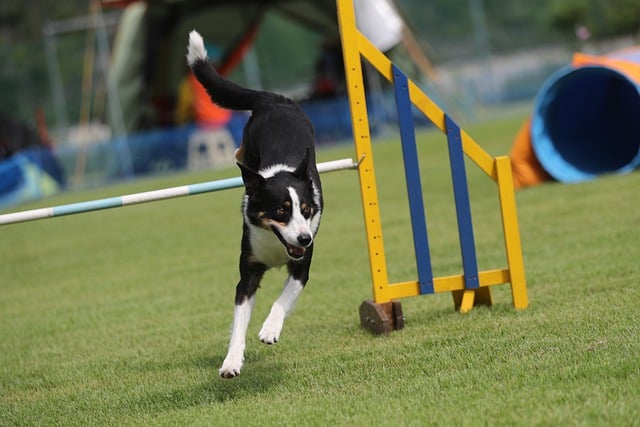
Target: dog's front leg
235,355
272,326
245,298
293,286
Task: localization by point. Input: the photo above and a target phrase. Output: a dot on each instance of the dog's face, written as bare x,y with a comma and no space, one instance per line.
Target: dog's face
284,203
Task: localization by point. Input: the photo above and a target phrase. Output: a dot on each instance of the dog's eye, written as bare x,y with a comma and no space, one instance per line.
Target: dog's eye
280,212
306,211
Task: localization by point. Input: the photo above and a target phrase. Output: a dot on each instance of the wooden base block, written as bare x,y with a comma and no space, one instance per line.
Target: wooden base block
381,318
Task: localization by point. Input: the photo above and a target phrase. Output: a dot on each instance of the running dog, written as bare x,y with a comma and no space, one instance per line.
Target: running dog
282,203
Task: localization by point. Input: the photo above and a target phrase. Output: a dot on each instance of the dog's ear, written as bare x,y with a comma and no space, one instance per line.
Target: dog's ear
253,181
302,171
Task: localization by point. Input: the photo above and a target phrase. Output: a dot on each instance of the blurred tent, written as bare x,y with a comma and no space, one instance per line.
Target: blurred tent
585,122
148,55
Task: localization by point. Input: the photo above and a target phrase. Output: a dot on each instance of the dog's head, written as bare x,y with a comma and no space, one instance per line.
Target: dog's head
285,201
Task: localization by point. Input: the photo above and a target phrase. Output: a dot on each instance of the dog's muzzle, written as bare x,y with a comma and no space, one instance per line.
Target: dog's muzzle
295,252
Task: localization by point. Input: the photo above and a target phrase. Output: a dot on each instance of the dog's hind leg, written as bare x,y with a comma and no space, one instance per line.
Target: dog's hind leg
245,299
282,307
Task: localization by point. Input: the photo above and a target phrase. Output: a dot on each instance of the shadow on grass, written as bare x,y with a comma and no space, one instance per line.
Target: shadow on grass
258,377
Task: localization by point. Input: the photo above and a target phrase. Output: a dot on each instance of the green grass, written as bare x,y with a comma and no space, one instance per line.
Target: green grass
121,317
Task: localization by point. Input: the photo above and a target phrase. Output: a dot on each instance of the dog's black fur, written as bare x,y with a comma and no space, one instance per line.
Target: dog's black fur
282,204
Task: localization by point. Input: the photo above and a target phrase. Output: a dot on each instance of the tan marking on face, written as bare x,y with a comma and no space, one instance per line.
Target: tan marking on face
306,206
265,222
268,222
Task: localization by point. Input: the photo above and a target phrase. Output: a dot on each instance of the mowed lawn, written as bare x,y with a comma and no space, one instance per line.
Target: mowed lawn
122,317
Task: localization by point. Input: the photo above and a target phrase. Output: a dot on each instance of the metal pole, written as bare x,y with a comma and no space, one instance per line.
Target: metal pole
55,79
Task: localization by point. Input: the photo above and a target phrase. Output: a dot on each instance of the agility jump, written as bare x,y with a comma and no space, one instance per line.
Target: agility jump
384,313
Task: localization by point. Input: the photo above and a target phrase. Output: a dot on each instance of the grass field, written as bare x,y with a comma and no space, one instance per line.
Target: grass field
122,317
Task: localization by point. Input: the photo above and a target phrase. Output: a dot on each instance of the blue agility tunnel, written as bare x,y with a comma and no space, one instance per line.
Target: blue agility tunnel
586,118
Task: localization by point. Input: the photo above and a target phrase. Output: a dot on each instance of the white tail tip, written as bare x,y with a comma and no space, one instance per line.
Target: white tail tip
195,50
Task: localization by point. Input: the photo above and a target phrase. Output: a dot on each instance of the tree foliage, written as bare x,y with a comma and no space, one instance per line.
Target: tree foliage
446,25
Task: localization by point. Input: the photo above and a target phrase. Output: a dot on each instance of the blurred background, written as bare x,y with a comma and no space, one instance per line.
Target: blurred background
93,92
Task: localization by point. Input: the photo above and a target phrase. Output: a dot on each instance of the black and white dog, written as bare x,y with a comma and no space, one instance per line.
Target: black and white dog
282,203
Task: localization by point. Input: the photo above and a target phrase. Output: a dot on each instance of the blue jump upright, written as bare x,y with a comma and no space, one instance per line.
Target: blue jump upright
463,206
414,186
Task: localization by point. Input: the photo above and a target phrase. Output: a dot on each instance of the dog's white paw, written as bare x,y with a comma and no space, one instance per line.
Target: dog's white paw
272,327
231,366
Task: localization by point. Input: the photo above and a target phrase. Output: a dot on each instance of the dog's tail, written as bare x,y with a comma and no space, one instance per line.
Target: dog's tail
223,92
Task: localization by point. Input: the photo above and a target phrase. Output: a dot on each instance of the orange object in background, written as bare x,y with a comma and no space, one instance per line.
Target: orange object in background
195,105
527,170
206,113
624,61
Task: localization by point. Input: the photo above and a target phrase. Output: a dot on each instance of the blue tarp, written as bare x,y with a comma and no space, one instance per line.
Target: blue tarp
29,175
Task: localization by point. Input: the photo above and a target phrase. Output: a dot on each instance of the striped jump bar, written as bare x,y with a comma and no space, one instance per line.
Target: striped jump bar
148,196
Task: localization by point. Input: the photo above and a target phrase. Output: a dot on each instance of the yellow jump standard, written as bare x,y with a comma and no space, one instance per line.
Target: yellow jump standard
384,313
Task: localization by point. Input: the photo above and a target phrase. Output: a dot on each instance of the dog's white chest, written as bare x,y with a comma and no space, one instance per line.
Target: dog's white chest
267,248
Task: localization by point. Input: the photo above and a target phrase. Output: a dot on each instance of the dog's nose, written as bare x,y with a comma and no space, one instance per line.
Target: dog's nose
304,240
